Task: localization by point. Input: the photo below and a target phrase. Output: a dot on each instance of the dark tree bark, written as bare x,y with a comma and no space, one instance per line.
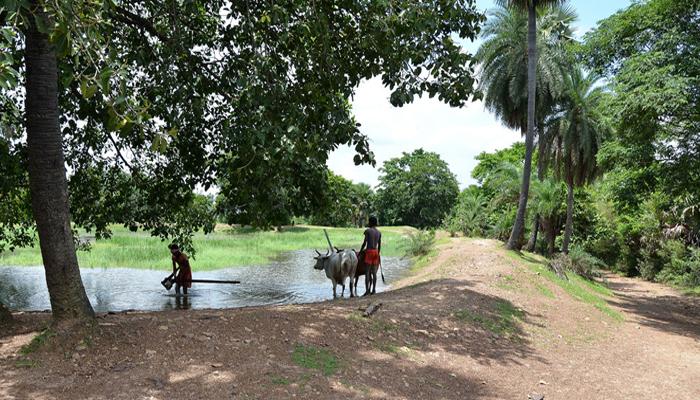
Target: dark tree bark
532,243
47,178
515,241
569,216
5,315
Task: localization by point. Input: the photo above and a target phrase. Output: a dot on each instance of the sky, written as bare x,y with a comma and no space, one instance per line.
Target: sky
456,134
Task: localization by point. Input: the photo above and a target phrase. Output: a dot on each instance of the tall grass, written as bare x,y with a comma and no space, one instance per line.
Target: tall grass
226,247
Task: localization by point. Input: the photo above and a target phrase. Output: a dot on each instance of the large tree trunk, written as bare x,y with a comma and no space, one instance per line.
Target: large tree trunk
47,178
515,241
532,243
5,315
569,216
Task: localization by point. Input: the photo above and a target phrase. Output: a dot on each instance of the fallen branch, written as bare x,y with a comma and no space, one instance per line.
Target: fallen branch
371,309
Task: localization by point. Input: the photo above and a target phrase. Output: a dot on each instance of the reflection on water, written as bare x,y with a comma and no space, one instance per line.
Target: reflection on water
289,279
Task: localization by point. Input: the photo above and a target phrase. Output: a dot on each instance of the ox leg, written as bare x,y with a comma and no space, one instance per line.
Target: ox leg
352,287
342,294
335,284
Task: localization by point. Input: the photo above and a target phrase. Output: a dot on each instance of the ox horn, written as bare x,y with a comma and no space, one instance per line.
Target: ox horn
317,252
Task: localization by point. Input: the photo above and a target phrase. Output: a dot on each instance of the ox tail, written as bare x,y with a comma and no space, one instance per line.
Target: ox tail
381,270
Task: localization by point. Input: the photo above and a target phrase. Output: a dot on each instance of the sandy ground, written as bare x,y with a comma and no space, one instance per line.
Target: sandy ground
418,345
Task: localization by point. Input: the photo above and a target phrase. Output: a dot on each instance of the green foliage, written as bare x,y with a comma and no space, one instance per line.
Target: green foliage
314,358
579,262
469,216
417,189
503,56
250,96
344,203
420,243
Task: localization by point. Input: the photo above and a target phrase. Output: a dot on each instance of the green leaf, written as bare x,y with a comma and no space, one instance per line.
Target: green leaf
87,90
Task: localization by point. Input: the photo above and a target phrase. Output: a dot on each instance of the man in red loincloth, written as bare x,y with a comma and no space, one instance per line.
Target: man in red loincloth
181,265
372,246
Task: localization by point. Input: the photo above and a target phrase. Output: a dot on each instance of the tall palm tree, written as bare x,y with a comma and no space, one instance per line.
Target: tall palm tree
575,133
504,77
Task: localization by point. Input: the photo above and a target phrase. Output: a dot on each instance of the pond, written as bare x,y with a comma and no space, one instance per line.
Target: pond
288,279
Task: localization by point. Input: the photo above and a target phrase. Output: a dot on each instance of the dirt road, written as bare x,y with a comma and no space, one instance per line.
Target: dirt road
476,323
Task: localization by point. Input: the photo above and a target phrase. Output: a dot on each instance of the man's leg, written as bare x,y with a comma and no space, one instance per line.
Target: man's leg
374,278
177,289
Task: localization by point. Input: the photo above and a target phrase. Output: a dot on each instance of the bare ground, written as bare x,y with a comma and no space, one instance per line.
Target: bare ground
476,323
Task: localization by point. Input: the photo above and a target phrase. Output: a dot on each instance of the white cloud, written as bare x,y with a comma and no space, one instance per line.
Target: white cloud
457,134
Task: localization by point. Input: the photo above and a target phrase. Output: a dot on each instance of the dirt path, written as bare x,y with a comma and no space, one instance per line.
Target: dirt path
477,323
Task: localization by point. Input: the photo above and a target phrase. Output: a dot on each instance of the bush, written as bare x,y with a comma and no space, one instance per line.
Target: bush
577,261
680,265
420,243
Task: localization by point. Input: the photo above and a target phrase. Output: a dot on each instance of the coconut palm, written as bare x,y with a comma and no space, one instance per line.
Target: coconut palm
574,135
504,77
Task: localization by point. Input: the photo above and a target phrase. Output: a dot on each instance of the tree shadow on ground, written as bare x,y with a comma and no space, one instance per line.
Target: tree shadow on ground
427,341
676,314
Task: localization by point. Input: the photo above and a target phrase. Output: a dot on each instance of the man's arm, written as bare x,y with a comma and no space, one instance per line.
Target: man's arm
379,243
364,243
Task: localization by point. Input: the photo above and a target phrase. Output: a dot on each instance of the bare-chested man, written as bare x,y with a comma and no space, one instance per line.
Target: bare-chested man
372,246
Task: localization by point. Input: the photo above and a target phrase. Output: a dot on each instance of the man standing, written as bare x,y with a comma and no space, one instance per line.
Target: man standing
372,246
181,265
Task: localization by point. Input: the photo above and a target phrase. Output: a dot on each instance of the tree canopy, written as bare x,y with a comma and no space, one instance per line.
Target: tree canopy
416,189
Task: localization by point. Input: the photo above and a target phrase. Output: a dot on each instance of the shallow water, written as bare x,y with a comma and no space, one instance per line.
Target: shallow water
289,279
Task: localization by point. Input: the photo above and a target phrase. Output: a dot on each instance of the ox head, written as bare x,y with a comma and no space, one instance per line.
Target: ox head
320,259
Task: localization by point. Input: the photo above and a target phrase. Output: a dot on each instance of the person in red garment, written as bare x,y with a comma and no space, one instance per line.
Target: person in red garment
181,265
372,246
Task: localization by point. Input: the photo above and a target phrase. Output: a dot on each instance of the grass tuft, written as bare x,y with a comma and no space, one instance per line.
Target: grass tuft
503,322
37,342
314,358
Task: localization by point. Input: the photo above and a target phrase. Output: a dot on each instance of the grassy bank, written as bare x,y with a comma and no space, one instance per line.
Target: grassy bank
226,247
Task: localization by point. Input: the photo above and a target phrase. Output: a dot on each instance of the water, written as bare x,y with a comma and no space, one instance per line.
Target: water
289,279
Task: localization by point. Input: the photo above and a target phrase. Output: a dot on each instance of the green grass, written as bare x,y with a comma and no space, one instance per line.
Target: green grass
221,249
577,287
503,322
314,358
695,291
37,342
24,363
545,291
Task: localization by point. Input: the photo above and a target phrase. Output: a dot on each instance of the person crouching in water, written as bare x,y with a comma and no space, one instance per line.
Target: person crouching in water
181,265
372,246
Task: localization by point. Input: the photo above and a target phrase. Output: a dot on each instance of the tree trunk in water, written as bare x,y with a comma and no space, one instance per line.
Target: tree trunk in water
5,315
47,178
515,241
569,216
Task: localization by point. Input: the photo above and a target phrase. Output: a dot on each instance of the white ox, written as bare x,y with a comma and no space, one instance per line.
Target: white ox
339,266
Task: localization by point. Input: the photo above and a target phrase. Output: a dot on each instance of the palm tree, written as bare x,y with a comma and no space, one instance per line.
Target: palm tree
575,133
547,199
503,76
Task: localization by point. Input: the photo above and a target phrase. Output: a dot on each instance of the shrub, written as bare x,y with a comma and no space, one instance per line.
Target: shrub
577,261
680,265
420,243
